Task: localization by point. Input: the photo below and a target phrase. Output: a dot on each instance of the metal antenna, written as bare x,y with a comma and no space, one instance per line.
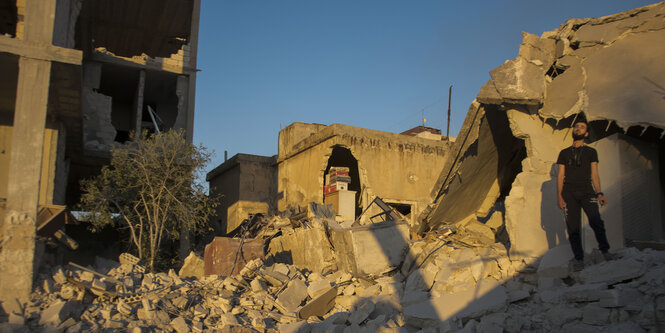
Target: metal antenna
450,92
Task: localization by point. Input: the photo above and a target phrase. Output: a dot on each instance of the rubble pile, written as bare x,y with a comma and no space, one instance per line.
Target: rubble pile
445,284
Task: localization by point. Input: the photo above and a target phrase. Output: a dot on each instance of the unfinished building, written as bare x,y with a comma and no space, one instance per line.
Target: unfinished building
78,77
607,69
399,168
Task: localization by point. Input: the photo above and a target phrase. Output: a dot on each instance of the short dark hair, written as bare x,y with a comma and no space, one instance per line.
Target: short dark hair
581,120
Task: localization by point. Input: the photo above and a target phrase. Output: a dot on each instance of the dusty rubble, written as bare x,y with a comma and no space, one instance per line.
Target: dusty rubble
452,280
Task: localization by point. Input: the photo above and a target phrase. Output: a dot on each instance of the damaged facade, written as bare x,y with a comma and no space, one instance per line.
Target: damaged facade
607,69
78,77
399,168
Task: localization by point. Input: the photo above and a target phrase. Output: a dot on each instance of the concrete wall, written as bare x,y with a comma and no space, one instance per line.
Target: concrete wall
245,185
395,167
534,222
630,180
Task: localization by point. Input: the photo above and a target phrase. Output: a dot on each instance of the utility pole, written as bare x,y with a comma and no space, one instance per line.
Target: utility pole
450,92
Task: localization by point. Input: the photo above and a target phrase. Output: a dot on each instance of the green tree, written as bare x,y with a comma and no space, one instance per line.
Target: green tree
150,188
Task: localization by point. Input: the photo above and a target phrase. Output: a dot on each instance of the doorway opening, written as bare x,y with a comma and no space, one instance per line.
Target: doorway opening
342,157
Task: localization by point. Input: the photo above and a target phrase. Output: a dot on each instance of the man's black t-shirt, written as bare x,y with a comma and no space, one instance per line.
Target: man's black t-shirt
577,162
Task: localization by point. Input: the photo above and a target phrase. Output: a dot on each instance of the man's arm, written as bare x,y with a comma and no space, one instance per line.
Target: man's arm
559,186
595,180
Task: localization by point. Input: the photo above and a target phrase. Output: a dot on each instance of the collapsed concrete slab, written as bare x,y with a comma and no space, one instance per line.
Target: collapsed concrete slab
304,248
595,68
487,296
372,249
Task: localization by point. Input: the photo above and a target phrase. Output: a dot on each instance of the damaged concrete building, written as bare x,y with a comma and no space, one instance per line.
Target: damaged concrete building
502,167
79,76
399,168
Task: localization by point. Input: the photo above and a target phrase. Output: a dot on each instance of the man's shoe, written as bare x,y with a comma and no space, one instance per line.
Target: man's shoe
577,265
609,256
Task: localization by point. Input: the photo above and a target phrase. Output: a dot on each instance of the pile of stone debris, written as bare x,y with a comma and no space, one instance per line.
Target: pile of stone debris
441,286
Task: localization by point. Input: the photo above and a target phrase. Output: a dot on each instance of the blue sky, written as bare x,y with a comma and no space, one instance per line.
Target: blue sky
366,63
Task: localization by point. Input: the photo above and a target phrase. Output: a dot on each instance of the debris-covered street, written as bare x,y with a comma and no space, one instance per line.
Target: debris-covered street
457,276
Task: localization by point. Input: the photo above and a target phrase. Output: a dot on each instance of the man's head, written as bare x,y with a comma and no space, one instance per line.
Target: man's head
580,129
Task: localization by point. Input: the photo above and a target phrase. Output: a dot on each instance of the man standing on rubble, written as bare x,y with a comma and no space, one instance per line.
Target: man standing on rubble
578,187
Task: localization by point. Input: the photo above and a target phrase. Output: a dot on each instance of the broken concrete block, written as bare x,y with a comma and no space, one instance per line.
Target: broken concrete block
422,279
611,272
293,295
304,248
59,276
476,266
179,325
47,286
275,278
349,290
495,221
519,81
318,287
595,315
86,276
361,312
518,295
16,319
193,266
320,305
538,50
57,312
371,249
281,268
370,291
228,319
297,327
481,230
554,262
338,318
547,283
565,95
591,34
487,296
613,298
258,285
491,323
550,296
124,308
561,314
98,284
584,292
489,95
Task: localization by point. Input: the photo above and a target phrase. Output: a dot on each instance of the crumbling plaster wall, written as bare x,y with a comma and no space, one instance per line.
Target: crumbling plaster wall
610,68
395,167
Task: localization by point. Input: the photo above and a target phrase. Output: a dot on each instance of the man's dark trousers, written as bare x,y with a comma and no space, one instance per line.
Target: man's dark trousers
577,199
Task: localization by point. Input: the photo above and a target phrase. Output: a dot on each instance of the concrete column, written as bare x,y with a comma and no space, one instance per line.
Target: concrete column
18,243
193,43
17,254
138,105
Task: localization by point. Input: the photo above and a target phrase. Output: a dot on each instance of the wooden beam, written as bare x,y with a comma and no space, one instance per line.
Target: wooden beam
40,51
